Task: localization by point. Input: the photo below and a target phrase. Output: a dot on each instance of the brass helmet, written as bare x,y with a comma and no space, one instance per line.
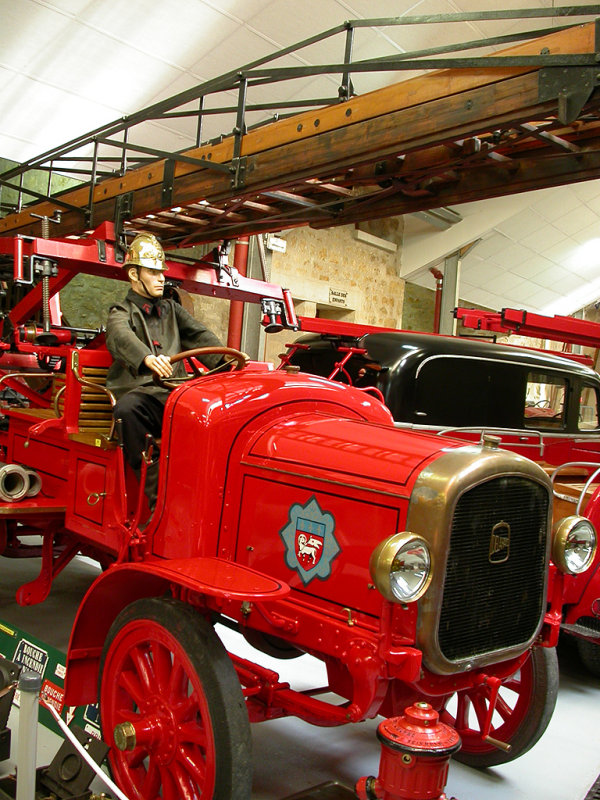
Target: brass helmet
145,251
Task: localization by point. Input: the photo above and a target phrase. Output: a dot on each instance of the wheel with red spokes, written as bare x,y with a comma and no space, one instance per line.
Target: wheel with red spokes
172,708
524,708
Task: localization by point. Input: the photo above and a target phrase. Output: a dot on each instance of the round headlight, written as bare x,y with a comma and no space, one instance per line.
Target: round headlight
573,545
401,567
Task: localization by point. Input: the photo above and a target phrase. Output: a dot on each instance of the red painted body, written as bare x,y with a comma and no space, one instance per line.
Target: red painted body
512,320
276,488
569,446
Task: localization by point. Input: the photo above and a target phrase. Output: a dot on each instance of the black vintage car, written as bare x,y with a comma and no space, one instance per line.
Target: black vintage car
445,382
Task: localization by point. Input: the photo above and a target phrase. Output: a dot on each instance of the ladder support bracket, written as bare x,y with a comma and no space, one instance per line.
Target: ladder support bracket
572,87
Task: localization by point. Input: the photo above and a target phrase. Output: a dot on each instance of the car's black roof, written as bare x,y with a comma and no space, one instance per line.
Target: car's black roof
391,348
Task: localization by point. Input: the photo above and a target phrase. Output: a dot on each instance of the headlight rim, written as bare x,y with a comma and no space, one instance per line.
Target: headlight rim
381,562
560,534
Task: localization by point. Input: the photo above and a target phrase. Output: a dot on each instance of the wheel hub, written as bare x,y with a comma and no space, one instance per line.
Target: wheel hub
156,731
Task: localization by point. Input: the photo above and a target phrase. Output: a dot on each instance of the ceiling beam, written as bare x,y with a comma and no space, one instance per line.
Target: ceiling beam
420,137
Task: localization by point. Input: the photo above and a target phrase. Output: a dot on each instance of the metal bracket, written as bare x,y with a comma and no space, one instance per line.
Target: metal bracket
69,775
26,274
168,183
123,210
572,86
40,265
9,674
238,169
38,589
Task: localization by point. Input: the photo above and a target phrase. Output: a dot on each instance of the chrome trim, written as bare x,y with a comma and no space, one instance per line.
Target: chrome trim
431,510
382,558
442,430
590,481
462,357
580,437
90,384
24,375
560,534
591,464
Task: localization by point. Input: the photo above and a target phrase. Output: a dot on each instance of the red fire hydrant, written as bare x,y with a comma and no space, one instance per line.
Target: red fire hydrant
415,754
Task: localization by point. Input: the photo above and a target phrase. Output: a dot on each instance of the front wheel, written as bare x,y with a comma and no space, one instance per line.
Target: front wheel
524,708
172,707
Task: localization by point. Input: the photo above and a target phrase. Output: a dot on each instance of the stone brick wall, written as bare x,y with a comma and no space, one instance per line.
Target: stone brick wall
333,275
419,310
419,307
86,299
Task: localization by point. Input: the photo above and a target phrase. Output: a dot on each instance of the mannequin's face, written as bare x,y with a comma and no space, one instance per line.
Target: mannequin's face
147,282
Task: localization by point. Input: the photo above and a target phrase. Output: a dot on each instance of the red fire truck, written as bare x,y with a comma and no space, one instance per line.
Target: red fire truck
291,509
542,404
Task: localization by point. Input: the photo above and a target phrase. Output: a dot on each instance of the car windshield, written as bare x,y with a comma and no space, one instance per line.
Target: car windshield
462,391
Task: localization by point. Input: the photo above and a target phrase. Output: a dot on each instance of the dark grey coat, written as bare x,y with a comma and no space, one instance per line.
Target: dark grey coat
138,327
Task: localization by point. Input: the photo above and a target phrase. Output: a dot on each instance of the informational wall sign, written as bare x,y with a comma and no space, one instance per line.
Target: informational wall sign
276,243
49,663
31,657
338,297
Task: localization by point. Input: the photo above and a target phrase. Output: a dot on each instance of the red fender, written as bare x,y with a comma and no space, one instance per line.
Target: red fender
122,584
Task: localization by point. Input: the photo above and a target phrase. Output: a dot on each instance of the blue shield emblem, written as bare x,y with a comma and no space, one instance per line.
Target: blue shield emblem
309,541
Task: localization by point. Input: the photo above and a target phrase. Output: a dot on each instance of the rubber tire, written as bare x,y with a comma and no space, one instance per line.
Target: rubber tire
535,712
194,640
589,653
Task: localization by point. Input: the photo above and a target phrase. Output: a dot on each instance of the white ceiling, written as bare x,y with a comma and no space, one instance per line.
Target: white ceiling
69,66
539,251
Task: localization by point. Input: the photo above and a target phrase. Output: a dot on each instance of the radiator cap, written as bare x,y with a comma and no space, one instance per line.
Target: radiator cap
490,441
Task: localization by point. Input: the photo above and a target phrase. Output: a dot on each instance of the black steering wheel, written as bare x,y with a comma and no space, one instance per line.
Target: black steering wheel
237,361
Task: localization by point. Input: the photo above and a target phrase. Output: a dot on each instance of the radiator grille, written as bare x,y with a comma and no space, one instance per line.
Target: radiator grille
493,594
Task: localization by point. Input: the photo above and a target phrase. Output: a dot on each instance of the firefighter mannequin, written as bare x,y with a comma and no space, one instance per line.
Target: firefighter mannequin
142,331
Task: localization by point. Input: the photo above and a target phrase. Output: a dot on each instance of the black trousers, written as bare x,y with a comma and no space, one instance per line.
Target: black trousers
141,413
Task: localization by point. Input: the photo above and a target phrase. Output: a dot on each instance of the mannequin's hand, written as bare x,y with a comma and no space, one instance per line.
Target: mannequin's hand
161,365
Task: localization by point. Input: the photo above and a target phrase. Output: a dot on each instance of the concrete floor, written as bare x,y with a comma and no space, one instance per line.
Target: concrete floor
291,756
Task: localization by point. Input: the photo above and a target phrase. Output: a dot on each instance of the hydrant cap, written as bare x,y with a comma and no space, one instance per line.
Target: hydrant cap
419,731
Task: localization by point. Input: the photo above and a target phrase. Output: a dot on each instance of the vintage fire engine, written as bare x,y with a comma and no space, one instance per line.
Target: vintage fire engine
544,405
291,509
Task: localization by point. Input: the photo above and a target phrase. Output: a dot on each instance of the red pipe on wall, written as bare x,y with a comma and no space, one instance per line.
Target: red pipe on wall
439,285
236,310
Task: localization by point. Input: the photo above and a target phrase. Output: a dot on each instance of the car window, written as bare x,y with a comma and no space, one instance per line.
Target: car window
545,401
588,409
460,391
